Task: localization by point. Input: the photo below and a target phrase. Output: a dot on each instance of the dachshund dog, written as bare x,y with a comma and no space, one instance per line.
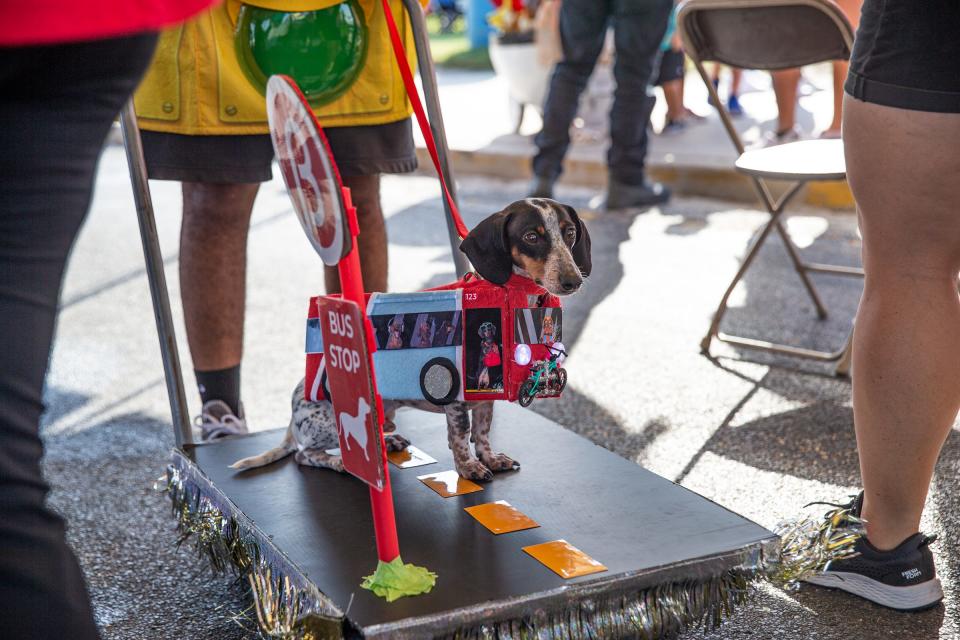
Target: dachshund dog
537,238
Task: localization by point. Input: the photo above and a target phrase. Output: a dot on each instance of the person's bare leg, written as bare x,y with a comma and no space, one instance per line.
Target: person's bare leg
735,76
372,241
851,9
673,94
906,349
839,77
213,267
785,86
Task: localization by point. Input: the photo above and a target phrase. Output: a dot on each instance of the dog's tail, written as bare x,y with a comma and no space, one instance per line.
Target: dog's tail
286,447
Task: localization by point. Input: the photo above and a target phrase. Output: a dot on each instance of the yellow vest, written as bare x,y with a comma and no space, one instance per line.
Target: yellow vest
195,85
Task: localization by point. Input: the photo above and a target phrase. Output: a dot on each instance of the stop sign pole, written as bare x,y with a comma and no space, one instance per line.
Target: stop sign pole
329,220
351,284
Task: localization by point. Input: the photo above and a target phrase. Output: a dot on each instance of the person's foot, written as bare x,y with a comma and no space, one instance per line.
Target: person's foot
773,138
903,578
217,420
733,106
642,195
541,187
673,127
830,134
716,86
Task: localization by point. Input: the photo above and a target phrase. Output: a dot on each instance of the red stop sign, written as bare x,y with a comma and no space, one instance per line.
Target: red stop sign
351,389
309,172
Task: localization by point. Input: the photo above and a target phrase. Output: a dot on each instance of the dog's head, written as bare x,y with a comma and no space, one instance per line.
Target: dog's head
536,237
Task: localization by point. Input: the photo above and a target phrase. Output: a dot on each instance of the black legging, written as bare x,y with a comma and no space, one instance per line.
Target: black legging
56,107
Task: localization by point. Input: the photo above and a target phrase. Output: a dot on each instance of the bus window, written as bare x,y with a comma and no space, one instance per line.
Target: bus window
417,330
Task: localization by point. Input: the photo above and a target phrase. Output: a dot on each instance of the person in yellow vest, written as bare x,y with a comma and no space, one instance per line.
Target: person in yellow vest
203,122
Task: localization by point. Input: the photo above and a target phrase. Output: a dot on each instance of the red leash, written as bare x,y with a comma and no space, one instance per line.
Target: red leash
411,88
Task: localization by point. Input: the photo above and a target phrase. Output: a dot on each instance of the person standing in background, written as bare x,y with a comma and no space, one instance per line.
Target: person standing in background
66,69
639,27
786,84
204,124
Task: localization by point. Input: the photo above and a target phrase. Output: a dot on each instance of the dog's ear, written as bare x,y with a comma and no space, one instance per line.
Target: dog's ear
581,248
487,248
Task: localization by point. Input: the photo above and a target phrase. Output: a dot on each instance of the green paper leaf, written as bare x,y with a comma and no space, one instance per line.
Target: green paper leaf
395,579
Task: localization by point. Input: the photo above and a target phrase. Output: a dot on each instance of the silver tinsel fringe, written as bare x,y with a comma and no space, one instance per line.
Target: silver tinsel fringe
808,544
283,610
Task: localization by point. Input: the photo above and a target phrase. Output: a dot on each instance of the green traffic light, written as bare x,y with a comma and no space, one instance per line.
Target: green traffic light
323,50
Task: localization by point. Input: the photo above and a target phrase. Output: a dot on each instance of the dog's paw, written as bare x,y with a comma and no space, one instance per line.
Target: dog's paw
474,470
500,462
395,442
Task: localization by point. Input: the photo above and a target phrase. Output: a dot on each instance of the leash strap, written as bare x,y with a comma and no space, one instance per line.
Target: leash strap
418,110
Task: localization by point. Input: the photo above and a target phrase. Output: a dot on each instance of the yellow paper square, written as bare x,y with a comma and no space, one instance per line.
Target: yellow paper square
500,517
564,559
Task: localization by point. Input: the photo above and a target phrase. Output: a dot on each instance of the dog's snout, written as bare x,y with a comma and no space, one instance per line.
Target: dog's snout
570,284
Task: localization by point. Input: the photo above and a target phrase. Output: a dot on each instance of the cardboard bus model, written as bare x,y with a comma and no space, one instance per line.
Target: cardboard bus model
467,340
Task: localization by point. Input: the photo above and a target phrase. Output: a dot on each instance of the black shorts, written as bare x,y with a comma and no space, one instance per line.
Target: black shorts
358,151
907,55
671,66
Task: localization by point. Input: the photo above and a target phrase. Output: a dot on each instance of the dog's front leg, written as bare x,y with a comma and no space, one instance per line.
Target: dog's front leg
480,435
458,437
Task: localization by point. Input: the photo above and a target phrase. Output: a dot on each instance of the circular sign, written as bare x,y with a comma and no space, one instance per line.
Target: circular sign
308,169
324,50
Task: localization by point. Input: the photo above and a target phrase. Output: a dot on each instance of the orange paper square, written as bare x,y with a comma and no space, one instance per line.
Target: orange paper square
410,457
500,517
564,559
449,484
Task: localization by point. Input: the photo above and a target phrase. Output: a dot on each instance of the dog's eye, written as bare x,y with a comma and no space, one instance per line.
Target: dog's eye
570,235
531,237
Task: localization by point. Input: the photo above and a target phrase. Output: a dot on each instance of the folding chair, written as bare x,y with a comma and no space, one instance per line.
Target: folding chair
773,35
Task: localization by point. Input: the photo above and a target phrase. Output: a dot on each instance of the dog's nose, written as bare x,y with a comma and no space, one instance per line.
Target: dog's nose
569,285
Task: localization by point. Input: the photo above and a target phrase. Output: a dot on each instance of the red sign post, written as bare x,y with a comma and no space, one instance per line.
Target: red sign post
329,219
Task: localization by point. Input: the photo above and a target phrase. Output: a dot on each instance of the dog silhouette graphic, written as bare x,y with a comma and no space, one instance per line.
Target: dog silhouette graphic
356,426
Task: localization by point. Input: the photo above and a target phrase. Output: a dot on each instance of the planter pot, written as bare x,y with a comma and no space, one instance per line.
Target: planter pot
526,78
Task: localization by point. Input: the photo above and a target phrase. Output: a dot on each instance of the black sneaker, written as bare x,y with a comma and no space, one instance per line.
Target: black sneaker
903,578
640,196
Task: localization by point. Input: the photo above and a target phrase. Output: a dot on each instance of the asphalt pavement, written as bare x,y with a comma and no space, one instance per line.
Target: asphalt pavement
759,435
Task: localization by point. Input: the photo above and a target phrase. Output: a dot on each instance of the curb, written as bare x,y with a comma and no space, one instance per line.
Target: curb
684,180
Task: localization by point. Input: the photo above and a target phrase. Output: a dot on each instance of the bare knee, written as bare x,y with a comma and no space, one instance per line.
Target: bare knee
227,206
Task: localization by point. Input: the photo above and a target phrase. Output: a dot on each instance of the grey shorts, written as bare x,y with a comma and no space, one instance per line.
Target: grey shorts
358,151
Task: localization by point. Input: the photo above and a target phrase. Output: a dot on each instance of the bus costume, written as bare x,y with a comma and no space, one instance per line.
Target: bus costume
449,369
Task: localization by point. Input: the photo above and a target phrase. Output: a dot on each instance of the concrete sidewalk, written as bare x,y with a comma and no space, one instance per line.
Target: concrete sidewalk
696,162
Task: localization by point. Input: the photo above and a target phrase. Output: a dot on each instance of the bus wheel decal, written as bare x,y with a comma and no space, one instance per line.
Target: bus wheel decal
439,381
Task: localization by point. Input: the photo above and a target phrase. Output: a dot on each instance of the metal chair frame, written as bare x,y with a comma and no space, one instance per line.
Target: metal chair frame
774,206
153,255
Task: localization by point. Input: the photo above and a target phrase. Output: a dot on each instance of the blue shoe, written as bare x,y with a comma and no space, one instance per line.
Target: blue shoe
733,106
